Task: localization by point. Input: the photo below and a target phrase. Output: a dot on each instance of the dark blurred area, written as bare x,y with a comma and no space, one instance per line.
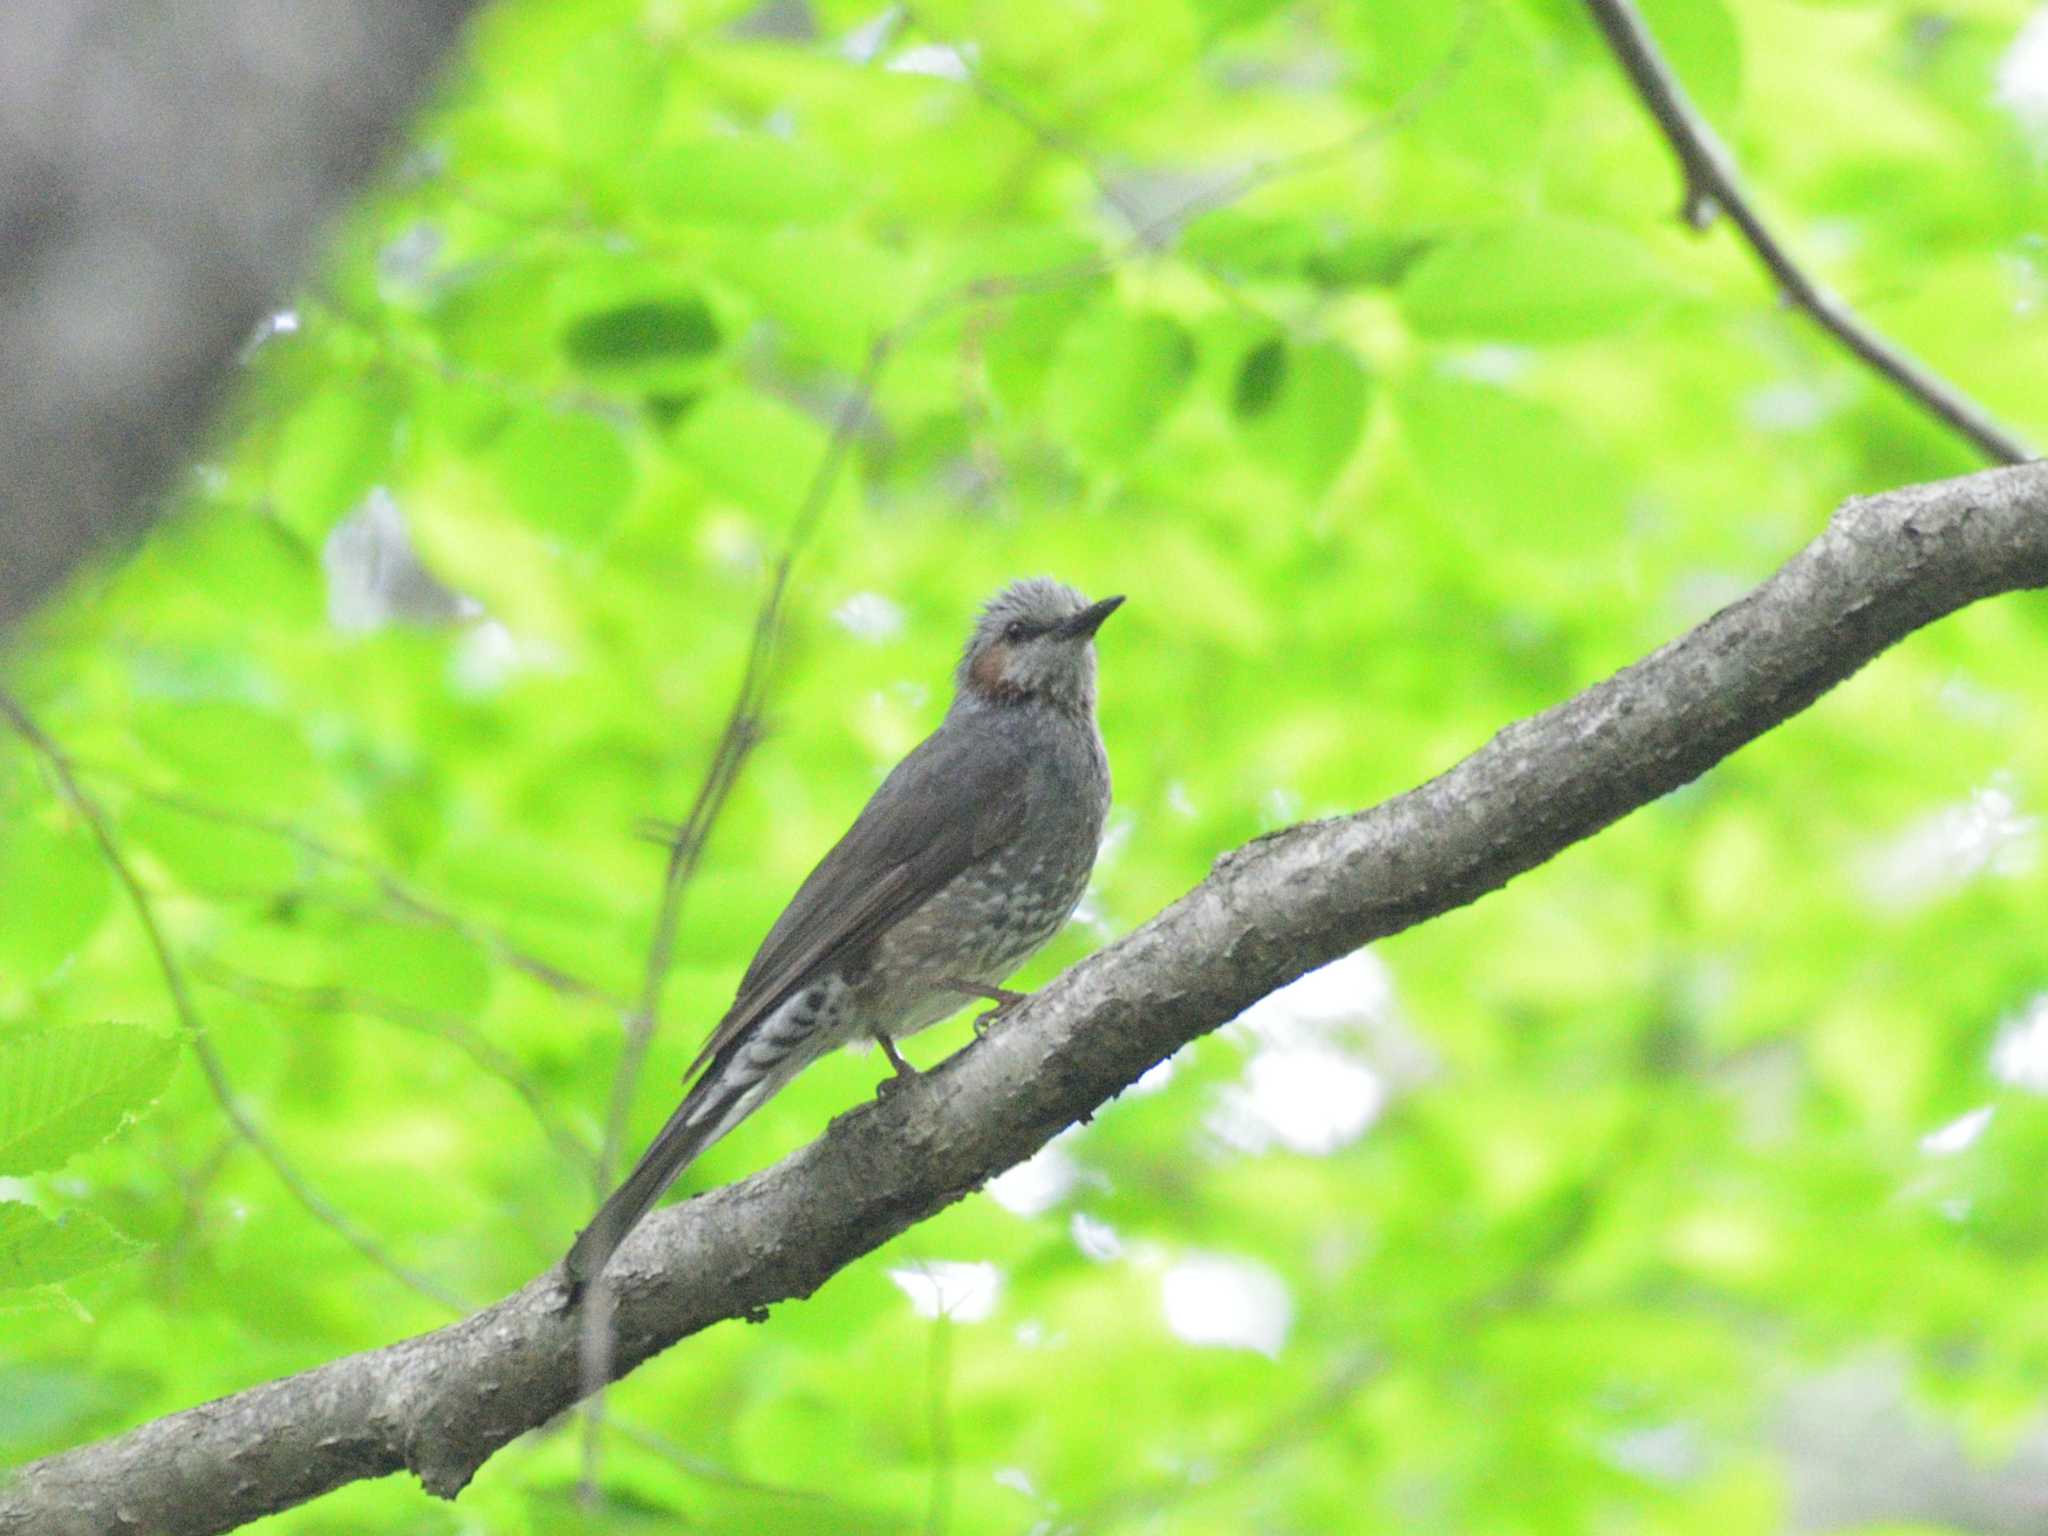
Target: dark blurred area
163,171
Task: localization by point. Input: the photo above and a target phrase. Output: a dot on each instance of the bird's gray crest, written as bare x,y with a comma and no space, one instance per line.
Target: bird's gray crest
1024,646
1038,601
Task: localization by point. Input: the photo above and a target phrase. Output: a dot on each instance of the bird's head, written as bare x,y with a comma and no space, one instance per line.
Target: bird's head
1033,643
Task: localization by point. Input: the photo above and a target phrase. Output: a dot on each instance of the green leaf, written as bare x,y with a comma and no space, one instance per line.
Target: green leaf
756,449
35,1250
1260,377
54,892
649,331
1547,280
749,179
1226,16
831,293
1301,408
1497,462
331,451
611,92
1117,377
565,473
67,1089
1469,74
256,758
421,965
209,854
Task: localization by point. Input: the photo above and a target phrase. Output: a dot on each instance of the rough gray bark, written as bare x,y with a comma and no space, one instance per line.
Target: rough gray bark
163,172
442,1403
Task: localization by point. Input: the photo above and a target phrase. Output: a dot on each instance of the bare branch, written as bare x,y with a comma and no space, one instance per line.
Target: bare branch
1713,185
442,1403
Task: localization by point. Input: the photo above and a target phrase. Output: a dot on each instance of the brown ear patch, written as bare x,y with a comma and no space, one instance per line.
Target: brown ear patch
987,674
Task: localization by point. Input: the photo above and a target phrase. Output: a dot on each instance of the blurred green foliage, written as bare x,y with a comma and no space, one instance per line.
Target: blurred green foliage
1361,346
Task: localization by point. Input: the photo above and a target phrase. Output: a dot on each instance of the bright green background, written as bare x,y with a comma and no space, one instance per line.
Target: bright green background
1444,417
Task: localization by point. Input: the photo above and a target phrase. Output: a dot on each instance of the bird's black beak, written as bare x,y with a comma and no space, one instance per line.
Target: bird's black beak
1089,619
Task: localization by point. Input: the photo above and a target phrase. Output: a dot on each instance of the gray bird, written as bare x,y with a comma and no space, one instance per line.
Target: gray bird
970,856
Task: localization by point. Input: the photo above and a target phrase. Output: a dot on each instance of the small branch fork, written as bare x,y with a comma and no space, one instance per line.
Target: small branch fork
443,1403
1713,185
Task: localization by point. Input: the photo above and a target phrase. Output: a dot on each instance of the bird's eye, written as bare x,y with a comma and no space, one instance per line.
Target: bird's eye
1016,630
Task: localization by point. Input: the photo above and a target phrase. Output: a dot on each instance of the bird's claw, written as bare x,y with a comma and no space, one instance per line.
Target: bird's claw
905,1072
1005,1000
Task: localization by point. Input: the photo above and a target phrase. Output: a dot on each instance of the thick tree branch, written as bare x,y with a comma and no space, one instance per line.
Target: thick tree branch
442,1403
163,171
1712,185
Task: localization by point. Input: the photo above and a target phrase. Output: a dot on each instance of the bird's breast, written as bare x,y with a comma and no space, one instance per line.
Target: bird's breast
987,920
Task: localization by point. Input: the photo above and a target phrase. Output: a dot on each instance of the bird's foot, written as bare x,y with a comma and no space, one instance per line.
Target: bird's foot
905,1072
1003,998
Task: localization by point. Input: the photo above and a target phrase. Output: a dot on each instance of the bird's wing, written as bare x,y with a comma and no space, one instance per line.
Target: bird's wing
950,802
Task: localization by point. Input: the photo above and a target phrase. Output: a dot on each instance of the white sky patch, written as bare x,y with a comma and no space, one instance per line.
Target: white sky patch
869,616
1223,1303
2023,276
1038,1183
1327,1053
374,575
283,322
1793,405
1352,989
1280,808
1959,1135
488,656
1666,1453
1967,699
868,39
961,1293
2020,84
1017,1480
1097,1240
941,61
1116,837
1987,834
1153,1080
1489,364
2020,1056
1308,1099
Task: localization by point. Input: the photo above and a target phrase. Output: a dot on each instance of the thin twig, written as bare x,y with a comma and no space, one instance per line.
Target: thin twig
472,1042
741,733
1149,235
939,1419
392,887
687,1461
210,1064
1712,184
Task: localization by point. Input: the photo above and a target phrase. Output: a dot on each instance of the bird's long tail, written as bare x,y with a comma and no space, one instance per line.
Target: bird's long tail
670,1153
731,1088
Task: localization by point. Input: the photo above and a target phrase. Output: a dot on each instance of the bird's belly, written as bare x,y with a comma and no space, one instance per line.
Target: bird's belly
979,928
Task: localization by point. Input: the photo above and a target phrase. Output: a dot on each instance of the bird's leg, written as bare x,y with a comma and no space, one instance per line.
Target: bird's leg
904,1070
1003,998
